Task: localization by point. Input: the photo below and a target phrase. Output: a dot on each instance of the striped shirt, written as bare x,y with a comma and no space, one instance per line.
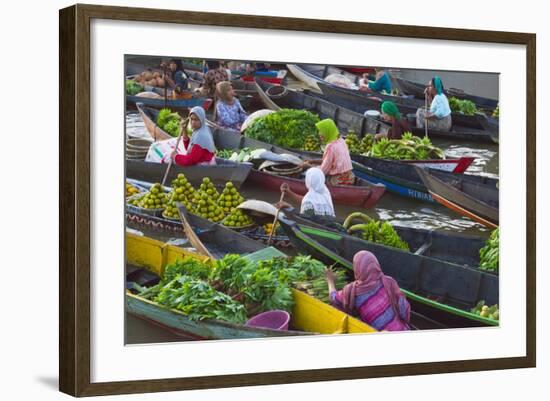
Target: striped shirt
336,158
376,310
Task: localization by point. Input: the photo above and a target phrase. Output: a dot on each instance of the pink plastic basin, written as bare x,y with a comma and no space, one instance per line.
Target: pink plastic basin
273,319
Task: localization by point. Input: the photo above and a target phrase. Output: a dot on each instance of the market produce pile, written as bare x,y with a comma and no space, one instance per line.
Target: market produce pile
286,127
239,155
133,88
359,146
230,198
131,190
234,288
312,143
466,107
155,198
169,122
150,78
182,192
489,254
205,202
375,231
409,147
237,219
490,312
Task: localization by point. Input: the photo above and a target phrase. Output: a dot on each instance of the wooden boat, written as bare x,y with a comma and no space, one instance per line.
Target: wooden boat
219,174
488,133
271,76
477,200
173,104
313,74
360,102
442,291
402,178
457,248
417,90
155,255
276,97
363,194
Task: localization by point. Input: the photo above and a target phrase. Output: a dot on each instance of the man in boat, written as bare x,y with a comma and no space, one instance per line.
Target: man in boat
317,201
176,78
373,296
336,161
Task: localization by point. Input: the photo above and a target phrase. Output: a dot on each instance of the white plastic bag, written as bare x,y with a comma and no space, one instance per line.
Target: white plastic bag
160,151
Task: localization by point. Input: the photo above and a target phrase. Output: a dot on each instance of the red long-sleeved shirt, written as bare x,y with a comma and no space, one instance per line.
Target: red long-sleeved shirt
195,156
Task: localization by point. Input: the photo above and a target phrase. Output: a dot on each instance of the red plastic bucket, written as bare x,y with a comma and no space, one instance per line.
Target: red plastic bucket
273,319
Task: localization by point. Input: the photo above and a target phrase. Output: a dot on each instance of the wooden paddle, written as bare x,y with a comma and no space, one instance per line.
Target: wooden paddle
275,220
182,127
426,114
191,235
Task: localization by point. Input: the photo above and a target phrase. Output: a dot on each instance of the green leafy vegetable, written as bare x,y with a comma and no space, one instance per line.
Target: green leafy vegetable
133,88
287,127
169,122
466,107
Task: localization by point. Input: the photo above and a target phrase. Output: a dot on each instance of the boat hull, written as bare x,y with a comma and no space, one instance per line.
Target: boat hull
476,200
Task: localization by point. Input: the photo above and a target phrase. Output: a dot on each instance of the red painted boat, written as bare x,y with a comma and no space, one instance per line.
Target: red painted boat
478,200
363,194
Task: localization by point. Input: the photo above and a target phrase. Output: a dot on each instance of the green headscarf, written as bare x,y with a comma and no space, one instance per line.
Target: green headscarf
438,85
328,129
391,109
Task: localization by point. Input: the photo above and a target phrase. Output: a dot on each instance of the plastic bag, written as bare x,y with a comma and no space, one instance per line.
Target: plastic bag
160,151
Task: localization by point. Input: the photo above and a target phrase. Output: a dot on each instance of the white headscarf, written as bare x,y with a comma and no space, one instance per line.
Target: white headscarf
318,194
202,136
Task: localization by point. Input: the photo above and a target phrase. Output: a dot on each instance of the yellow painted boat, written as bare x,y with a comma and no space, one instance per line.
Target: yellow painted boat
309,315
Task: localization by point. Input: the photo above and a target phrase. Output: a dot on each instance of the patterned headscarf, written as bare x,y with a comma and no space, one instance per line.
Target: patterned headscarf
368,276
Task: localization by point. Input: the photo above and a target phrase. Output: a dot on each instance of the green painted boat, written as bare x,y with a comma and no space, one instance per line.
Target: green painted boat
439,290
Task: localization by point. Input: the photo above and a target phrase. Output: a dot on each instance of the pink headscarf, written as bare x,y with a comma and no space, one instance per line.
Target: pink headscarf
367,277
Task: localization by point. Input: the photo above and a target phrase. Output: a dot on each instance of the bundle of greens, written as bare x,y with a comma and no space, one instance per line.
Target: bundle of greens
287,127
489,254
133,88
169,122
409,147
375,231
466,107
235,287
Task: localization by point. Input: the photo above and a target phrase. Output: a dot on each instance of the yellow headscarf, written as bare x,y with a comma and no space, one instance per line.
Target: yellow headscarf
328,130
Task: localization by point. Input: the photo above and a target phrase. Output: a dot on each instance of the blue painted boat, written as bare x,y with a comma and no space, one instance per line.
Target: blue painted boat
172,104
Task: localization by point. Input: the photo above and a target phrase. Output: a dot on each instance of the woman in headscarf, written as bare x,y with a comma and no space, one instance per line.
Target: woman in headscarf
230,113
336,162
391,114
200,147
317,201
438,117
375,297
